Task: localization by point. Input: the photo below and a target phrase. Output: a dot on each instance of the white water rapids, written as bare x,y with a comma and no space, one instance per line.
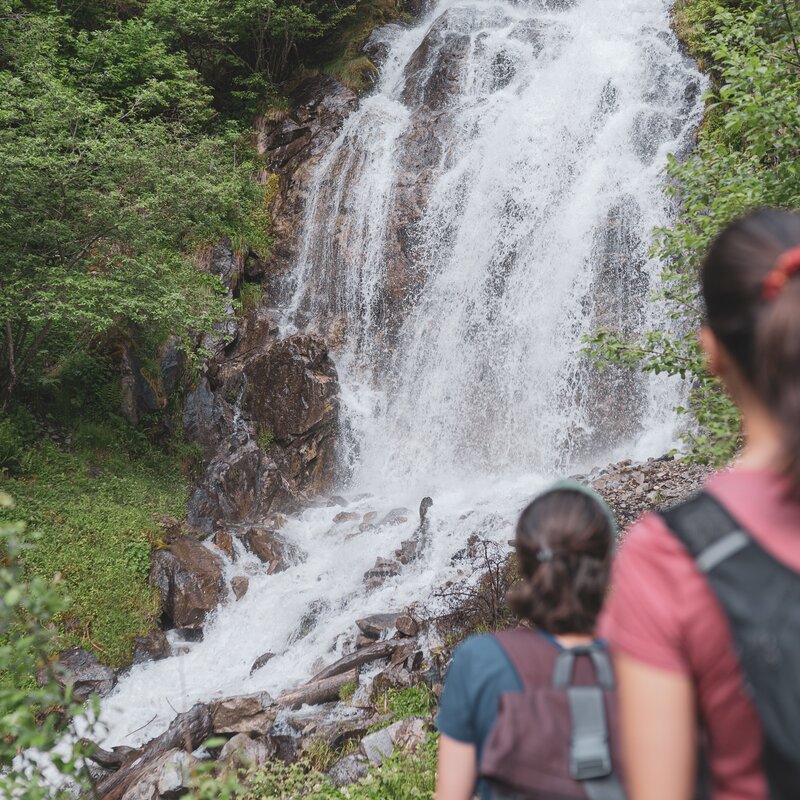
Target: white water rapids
461,379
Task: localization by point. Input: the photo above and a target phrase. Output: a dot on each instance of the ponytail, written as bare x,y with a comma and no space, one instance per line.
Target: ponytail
751,289
564,541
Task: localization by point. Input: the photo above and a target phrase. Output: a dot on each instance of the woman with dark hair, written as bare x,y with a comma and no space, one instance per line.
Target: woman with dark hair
702,616
564,542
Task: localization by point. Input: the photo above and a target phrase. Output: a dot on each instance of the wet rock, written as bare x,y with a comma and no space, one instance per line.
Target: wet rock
337,500
362,640
409,549
175,778
383,569
243,751
376,48
261,661
81,669
377,625
240,585
434,70
369,517
249,713
224,541
397,516
346,516
407,625
152,647
348,769
189,578
268,546
207,419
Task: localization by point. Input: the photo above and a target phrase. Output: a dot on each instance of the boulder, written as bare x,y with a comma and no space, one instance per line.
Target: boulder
152,647
243,751
346,516
406,734
224,541
407,625
383,568
190,582
81,669
268,546
249,713
261,661
377,624
348,769
397,516
175,777
240,585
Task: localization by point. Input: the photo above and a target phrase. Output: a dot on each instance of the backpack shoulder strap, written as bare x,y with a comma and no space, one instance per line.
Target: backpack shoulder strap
707,530
531,656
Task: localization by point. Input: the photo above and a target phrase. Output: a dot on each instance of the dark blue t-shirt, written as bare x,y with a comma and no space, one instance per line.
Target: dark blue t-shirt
478,674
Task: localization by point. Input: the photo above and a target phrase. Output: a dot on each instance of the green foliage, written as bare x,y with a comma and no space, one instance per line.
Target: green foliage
265,438
95,504
110,176
250,295
402,776
746,157
347,691
414,701
31,716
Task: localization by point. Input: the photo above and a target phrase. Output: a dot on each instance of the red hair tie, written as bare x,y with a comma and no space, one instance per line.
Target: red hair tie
788,264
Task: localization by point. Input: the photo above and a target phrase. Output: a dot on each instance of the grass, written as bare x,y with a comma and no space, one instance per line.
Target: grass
95,503
402,776
343,58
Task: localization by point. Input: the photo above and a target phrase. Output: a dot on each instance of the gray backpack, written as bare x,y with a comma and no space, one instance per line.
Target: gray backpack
761,598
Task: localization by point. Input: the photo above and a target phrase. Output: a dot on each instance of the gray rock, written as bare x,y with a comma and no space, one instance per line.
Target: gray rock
81,669
152,647
240,585
348,769
190,582
407,625
175,777
406,734
378,746
397,516
249,713
242,751
377,624
261,661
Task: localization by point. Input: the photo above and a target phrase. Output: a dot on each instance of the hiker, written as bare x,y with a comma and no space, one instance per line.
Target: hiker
704,615
526,713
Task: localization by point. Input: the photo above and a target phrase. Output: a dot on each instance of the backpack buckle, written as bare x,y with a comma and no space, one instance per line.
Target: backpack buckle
590,757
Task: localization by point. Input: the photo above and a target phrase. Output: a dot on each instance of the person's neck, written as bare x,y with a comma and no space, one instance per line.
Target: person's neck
568,640
764,447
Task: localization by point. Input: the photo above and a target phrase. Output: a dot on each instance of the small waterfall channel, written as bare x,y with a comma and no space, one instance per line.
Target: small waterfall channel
486,206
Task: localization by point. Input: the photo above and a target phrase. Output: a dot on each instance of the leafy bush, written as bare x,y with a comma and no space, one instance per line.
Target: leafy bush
415,701
402,776
31,716
746,157
14,450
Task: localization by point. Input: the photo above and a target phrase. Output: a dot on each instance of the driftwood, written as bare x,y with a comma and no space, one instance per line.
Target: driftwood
110,759
363,656
187,732
323,691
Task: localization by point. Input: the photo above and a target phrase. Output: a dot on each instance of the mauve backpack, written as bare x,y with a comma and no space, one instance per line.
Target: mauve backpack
557,738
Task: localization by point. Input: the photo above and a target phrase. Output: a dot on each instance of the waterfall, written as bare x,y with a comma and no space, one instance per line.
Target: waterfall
485,207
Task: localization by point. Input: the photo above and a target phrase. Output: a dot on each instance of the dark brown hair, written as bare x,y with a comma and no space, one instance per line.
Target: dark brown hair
564,544
761,336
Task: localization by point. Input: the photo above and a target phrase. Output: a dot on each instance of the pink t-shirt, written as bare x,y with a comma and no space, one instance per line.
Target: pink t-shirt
662,612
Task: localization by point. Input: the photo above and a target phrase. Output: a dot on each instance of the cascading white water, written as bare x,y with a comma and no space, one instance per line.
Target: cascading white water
484,208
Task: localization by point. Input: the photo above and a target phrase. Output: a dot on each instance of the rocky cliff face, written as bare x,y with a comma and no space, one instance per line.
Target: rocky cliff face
265,412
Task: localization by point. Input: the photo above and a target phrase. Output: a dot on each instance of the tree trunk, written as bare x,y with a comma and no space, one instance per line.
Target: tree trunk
363,656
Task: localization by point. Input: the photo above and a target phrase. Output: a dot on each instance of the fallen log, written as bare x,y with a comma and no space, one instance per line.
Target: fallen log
323,691
110,759
363,656
186,732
